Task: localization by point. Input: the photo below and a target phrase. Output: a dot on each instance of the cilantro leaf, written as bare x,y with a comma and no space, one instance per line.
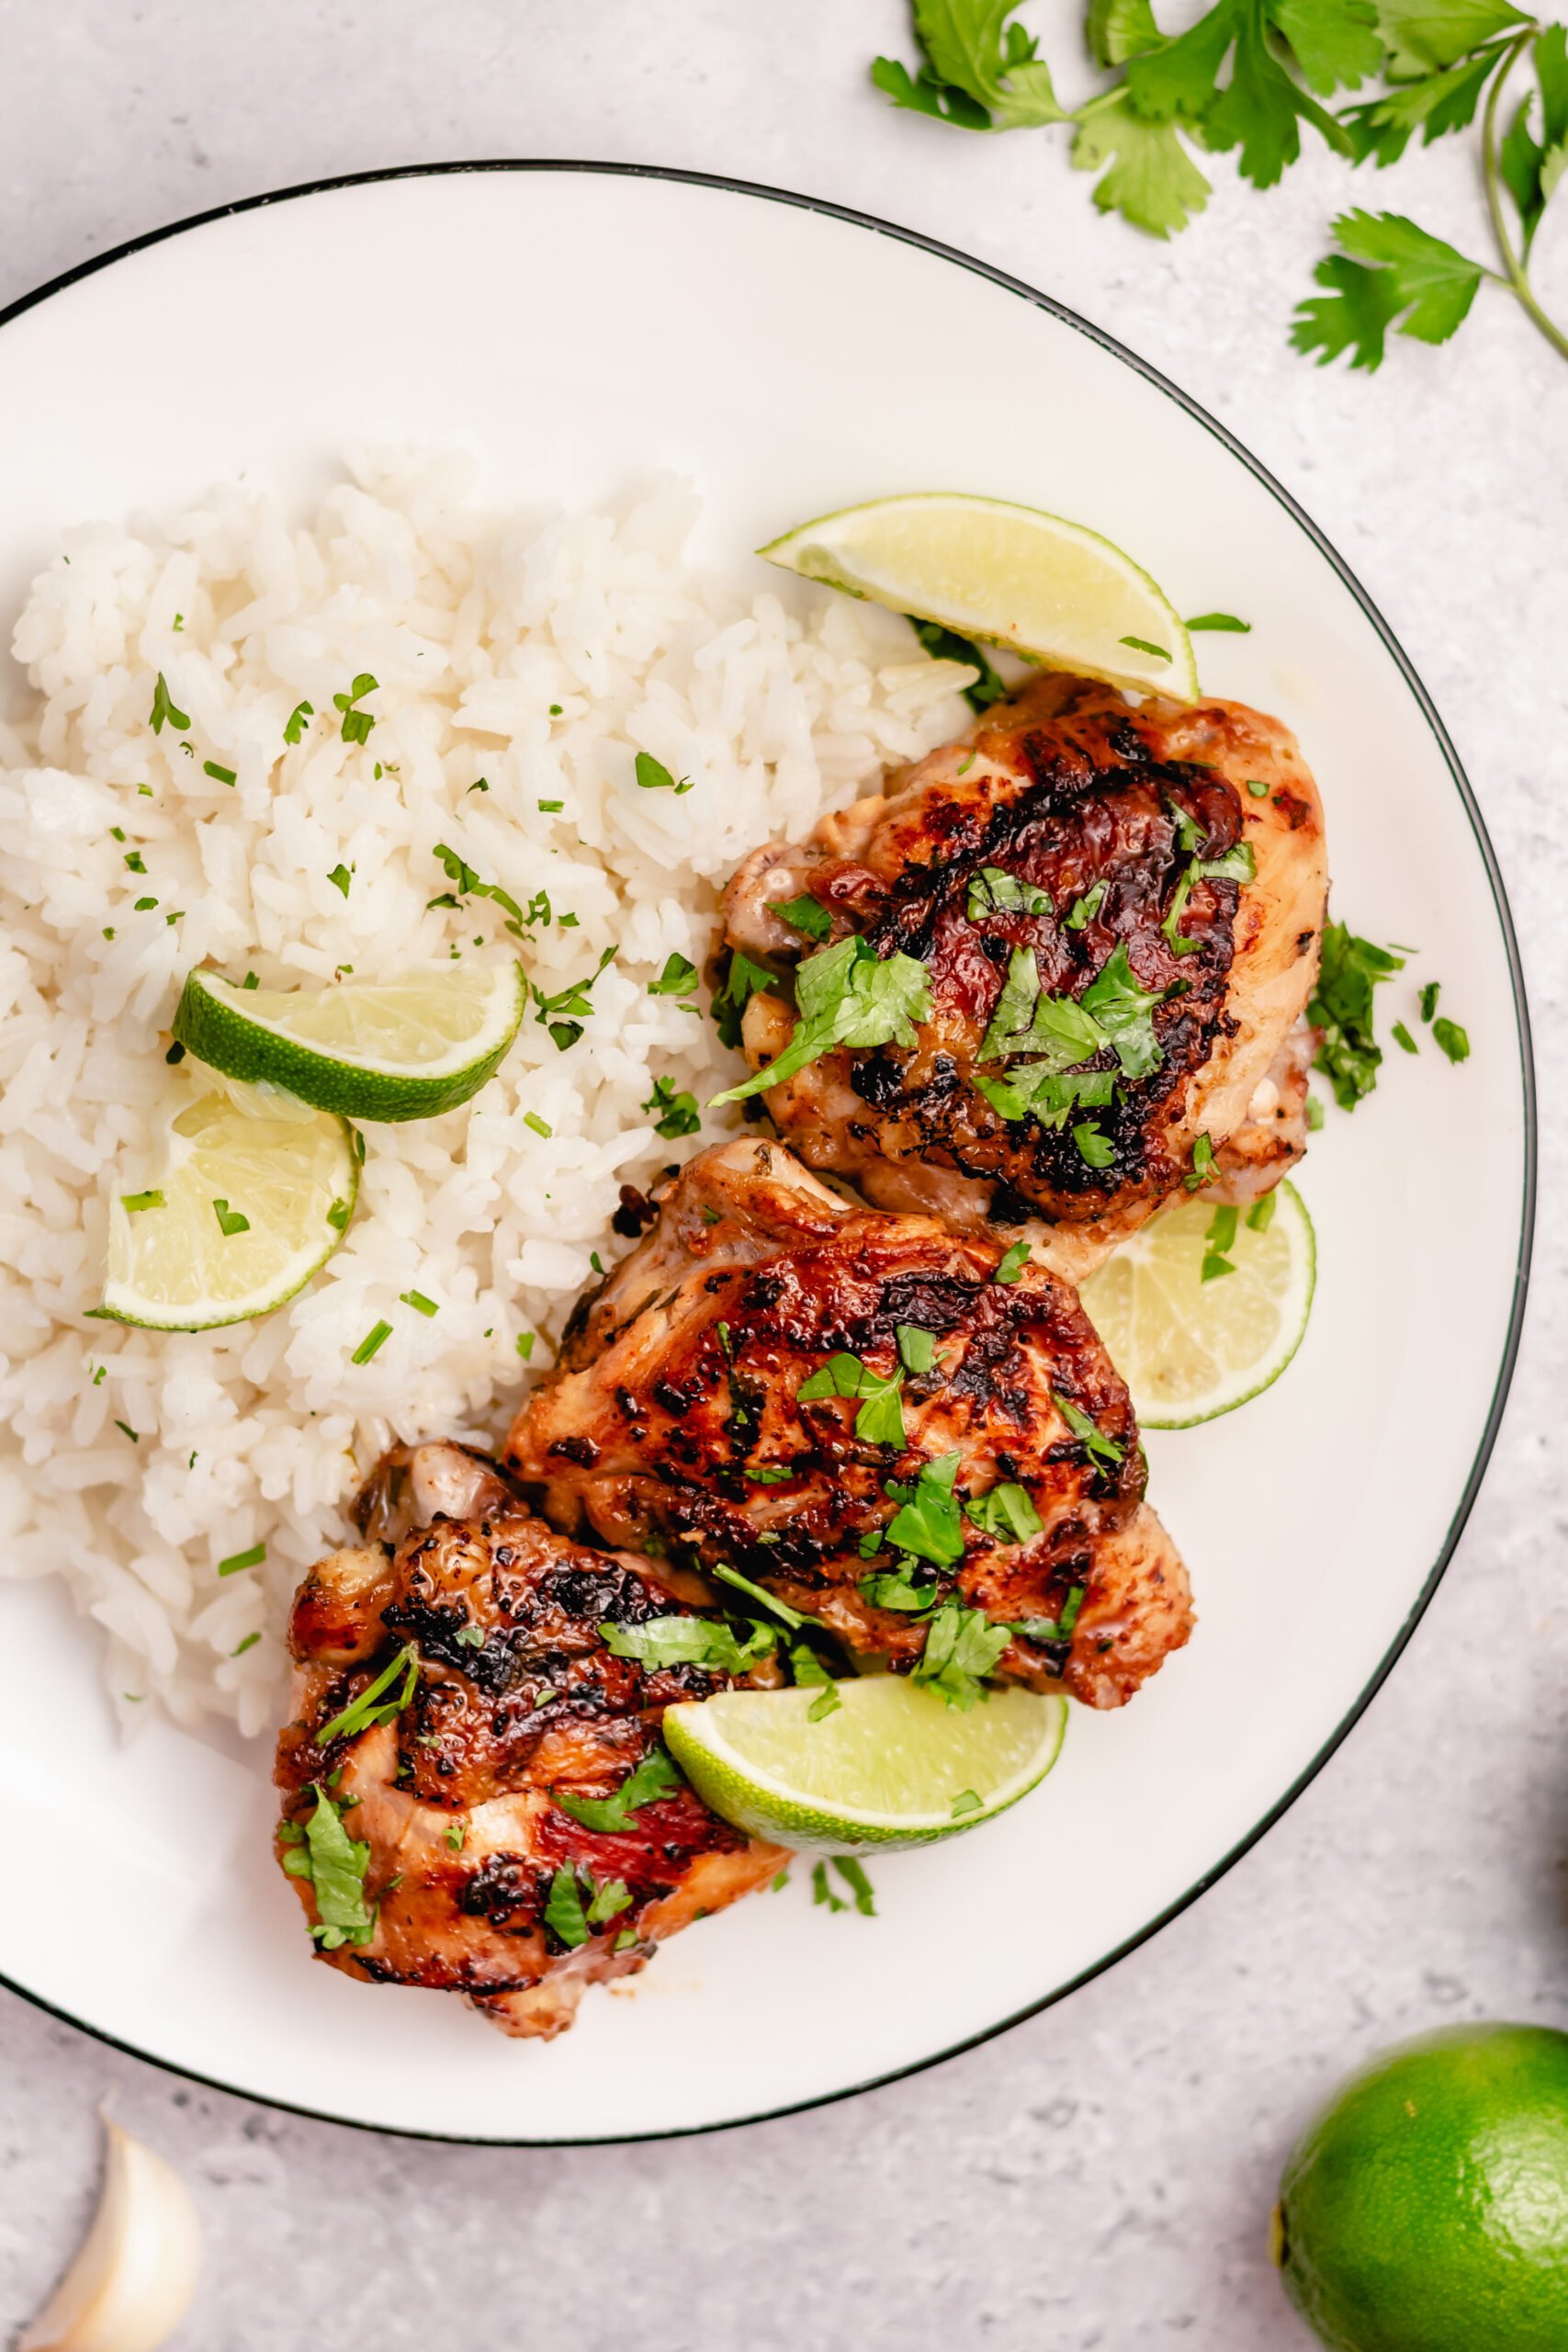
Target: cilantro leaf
702,1642
610,1900
810,1671
1424,35
362,1712
847,995
924,93
1450,1038
1341,1007
1095,1149
467,883
1118,30
1083,910
992,891
679,976
1335,43
962,1648
1033,1091
679,1114
1152,181
928,1522
971,47
1053,1629
917,1348
654,1778
805,914
335,1864
741,982
880,1420
896,1588
1007,1513
1103,1451
1123,1009
1388,274
563,1909
1533,168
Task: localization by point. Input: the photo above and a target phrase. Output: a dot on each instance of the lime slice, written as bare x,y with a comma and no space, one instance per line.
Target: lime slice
893,1765
1051,590
404,1048
1190,1348
179,1257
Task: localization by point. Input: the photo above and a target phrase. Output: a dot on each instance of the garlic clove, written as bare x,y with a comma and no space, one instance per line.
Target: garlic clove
131,2283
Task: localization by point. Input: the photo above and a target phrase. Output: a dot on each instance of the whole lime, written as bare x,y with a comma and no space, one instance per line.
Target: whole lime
1426,2208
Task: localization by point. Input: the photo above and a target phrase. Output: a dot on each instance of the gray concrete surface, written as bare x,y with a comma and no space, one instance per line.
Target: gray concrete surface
1102,2176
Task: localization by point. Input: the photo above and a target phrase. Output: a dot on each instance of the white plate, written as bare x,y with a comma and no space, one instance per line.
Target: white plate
576,327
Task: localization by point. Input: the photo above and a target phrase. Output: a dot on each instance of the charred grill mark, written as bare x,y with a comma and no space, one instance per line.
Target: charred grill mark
581,1450
508,1890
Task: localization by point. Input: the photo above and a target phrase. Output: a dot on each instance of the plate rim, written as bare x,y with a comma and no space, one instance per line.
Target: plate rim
726,184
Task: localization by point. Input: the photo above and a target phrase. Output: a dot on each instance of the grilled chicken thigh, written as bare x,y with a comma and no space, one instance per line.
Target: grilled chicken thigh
901,1431
460,1830
1158,869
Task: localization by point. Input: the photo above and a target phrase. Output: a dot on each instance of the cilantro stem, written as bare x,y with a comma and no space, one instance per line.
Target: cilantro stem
1516,279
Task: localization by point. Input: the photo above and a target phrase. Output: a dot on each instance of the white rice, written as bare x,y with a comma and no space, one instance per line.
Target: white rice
775,704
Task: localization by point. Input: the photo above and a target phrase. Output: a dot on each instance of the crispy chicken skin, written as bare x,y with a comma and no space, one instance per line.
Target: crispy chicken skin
1064,787
517,1697
675,1415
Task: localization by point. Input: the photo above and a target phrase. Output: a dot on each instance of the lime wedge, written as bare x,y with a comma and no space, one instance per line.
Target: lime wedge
1191,1346
893,1765
244,1207
404,1048
1049,589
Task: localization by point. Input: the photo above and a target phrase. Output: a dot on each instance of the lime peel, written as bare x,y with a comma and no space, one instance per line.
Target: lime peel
892,1765
410,1047
1051,590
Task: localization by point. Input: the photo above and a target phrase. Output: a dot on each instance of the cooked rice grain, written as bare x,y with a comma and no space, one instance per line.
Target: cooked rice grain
774,705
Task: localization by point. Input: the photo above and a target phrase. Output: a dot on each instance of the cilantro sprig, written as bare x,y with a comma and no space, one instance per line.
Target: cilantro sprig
847,995
1249,78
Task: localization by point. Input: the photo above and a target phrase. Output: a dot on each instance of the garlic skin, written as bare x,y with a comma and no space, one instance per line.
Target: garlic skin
132,2281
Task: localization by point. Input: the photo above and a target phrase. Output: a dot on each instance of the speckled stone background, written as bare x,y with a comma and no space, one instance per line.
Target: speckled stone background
1101,2177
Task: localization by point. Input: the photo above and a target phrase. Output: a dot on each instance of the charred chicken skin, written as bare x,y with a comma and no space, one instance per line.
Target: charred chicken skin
904,1433
1117,912
475,1798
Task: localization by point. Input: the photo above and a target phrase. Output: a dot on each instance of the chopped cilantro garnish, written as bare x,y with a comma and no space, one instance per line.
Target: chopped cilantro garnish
569,1006
339,877
741,981
928,1520
1257,788
679,1114
848,996
804,914
248,1644
1342,1008
338,1215
768,1473
1429,995
1261,1216
540,1127
231,1220
133,1202
1053,1629
468,883
1033,1091
1103,1451
992,891
812,1672
678,978
1202,1168
455,1834
126,1430
218,776
525,1344
370,1342
854,1878
1007,1512
363,1712
294,725
896,1588
563,1908
238,1560
654,776
1095,1149
418,1301
1219,1241
1450,1039
1141,645
1013,1263
820,1890
1227,621
704,1642
965,1802
962,1648
770,1600
134,860
880,1420
164,710
334,1863
654,1778
1082,912
145,906
917,1348
1402,1038
357,724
